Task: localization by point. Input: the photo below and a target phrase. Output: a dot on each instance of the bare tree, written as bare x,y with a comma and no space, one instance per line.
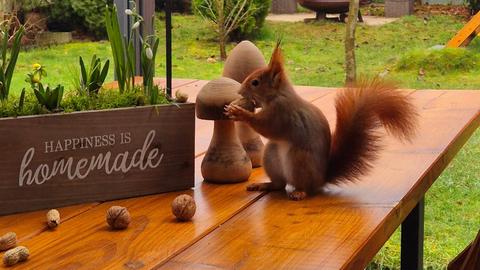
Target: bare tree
351,25
226,16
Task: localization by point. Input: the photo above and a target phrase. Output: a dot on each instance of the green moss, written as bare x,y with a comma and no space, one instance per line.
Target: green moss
443,60
106,99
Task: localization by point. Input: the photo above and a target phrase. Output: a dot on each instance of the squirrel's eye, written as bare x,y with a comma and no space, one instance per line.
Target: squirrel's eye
255,82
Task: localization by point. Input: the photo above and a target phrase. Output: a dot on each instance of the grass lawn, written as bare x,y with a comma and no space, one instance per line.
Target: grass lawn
314,56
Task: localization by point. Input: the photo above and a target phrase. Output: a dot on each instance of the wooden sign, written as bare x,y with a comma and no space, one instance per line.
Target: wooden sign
56,160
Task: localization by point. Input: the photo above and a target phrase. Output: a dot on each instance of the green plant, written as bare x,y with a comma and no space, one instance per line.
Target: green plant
92,79
148,53
32,5
35,77
474,6
225,16
8,63
440,60
252,24
92,14
49,98
62,17
122,50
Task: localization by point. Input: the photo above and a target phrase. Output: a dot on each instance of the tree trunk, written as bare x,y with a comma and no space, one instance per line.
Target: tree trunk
350,63
223,50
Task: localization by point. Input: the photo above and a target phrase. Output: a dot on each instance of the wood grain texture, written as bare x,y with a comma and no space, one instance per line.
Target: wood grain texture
153,235
341,228
28,180
28,225
344,227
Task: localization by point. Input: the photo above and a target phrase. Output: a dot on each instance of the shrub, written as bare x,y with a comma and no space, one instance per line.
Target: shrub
474,6
225,16
443,60
33,5
62,16
252,24
92,12
66,15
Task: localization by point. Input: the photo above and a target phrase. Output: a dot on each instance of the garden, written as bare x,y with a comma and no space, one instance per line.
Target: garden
59,79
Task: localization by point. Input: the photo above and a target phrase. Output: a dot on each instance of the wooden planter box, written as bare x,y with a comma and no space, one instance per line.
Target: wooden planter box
55,160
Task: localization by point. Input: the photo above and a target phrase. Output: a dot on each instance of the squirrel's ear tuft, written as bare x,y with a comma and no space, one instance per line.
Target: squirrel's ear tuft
275,66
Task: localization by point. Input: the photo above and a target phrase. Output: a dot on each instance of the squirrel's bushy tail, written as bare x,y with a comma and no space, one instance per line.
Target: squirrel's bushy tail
361,110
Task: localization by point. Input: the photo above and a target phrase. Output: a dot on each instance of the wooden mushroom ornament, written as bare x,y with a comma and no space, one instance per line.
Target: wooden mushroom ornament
226,161
242,61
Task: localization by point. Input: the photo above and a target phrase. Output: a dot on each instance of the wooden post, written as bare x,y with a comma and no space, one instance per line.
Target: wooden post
412,239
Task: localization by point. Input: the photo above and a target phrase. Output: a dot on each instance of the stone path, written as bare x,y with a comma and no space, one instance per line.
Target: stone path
300,17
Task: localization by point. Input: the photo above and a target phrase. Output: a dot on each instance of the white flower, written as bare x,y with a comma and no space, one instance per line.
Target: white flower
149,53
135,25
128,11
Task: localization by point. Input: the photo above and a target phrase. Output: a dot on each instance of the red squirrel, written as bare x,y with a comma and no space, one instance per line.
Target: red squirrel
302,155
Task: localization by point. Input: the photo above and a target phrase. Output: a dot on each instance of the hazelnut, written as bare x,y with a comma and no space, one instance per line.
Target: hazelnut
8,241
183,207
53,218
15,255
118,217
181,97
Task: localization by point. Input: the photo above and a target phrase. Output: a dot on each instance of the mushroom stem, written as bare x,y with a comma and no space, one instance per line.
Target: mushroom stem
252,143
224,131
226,161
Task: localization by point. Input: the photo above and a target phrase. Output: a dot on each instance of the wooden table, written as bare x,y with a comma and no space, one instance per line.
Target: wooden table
235,229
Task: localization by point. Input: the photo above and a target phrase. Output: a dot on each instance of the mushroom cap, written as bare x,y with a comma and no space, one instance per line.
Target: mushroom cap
244,59
213,97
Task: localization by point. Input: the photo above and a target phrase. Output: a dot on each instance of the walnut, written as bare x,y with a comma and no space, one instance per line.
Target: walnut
53,218
15,255
118,217
183,207
8,241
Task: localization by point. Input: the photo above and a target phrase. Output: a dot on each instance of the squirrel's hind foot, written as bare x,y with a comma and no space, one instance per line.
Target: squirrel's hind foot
261,187
297,195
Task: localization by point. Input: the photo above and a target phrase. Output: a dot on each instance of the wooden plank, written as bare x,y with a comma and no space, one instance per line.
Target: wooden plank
28,225
347,225
68,246
466,34
64,159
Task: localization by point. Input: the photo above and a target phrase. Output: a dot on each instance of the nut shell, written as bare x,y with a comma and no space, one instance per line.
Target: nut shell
53,218
15,255
118,217
184,207
8,241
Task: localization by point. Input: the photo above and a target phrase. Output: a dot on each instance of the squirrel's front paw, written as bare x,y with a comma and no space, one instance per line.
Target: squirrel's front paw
237,113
